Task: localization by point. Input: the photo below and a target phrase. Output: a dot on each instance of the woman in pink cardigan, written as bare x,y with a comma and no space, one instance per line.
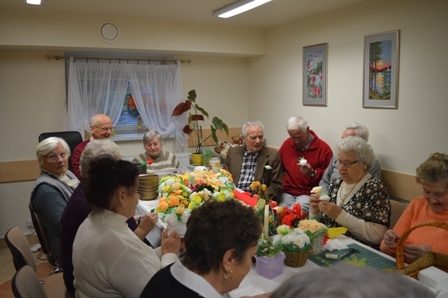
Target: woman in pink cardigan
431,207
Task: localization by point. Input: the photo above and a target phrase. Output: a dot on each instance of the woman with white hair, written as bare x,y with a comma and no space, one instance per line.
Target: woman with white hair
357,200
53,188
154,157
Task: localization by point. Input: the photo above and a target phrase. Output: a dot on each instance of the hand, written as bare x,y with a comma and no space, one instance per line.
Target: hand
412,252
314,203
391,239
329,209
307,170
148,221
171,243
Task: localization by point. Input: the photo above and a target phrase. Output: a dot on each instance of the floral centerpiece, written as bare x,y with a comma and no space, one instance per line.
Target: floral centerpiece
295,243
318,233
180,194
290,216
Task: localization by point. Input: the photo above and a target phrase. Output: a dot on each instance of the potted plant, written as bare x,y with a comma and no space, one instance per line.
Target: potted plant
194,126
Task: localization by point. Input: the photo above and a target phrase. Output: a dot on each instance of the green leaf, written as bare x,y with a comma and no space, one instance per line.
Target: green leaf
201,110
214,136
192,95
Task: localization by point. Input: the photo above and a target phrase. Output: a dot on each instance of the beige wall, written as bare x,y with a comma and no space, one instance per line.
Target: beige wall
266,87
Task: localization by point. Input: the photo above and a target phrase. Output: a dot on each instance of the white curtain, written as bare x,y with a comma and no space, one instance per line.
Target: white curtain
100,87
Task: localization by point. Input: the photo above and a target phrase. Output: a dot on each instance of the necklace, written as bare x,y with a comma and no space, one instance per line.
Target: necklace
344,193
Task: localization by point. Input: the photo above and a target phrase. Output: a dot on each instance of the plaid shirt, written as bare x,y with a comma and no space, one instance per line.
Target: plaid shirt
247,170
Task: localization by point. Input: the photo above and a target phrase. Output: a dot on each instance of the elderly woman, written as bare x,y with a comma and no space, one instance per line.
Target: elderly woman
358,201
109,260
431,207
154,156
220,241
53,188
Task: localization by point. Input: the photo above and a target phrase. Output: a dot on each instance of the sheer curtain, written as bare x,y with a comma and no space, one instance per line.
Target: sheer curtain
100,87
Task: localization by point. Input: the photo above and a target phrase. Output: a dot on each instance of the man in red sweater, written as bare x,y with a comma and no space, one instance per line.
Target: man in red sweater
100,128
304,160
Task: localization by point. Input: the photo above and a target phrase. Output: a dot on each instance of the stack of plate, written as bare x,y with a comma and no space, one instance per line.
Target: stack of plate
147,186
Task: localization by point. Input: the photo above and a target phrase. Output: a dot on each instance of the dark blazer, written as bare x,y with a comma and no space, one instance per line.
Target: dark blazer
267,156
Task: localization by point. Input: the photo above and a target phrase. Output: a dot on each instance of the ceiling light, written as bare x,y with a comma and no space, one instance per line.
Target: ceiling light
238,7
33,2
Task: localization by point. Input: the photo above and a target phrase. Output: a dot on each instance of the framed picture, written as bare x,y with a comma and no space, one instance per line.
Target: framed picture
381,65
315,75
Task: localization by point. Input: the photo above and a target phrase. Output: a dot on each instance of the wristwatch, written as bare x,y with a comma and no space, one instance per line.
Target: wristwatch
313,173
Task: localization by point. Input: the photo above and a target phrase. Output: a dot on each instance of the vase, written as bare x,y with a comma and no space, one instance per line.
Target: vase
196,159
270,267
297,259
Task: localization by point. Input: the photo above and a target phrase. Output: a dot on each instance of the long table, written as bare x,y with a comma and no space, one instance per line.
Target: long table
254,283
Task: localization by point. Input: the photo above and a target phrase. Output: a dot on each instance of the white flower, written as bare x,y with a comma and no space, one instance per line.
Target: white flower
170,219
267,167
303,161
185,216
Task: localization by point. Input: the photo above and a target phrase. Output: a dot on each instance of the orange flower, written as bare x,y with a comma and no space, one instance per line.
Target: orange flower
173,201
180,211
163,205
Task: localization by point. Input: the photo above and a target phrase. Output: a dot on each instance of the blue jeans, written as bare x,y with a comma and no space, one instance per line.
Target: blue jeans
288,200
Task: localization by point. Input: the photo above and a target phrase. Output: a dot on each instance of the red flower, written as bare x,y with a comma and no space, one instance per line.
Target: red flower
291,216
149,161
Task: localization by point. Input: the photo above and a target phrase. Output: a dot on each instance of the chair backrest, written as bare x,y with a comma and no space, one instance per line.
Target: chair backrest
26,284
19,248
73,138
42,235
397,209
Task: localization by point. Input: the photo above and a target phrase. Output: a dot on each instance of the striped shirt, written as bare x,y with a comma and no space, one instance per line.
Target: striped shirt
164,161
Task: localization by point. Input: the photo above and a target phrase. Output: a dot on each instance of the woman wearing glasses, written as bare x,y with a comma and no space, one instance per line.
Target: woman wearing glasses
53,188
357,200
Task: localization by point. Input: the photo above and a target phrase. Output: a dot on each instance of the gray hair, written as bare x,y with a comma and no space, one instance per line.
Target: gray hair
433,170
251,123
297,122
47,145
96,148
150,134
350,281
361,130
364,152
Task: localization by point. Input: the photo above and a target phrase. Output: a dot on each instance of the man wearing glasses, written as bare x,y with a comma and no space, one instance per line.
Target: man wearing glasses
304,160
255,162
100,128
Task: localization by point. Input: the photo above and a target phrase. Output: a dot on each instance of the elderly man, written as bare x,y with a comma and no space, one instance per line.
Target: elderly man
332,172
154,156
100,128
255,162
304,159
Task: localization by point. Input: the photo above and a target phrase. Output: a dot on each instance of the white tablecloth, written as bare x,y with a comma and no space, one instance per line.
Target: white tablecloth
254,284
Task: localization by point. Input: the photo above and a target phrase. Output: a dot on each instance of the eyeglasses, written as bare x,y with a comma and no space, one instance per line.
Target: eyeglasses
346,164
104,129
55,157
254,137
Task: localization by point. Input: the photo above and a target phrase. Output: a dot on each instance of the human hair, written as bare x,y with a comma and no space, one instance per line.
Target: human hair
216,227
361,130
364,152
98,119
297,122
150,134
251,123
105,176
96,148
349,281
47,145
434,169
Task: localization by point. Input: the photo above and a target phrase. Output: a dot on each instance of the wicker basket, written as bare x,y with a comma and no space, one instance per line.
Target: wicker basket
297,259
426,260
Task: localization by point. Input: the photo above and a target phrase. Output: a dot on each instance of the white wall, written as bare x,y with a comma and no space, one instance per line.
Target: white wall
401,138
268,87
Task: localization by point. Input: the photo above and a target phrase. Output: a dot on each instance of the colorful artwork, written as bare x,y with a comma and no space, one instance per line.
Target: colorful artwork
315,75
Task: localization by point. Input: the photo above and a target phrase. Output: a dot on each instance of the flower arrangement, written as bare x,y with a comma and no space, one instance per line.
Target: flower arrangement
292,239
179,194
198,115
291,216
266,248
131,106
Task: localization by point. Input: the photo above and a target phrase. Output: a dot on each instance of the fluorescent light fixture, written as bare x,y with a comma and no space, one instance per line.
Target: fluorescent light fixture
238,7
33,2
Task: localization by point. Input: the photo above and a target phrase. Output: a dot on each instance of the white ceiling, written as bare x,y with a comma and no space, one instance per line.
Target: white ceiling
274,13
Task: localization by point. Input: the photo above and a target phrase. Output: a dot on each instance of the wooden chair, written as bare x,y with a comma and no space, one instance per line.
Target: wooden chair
43,239
17,243
397,209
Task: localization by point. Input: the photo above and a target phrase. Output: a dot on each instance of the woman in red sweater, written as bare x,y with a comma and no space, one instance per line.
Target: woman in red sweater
431,207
